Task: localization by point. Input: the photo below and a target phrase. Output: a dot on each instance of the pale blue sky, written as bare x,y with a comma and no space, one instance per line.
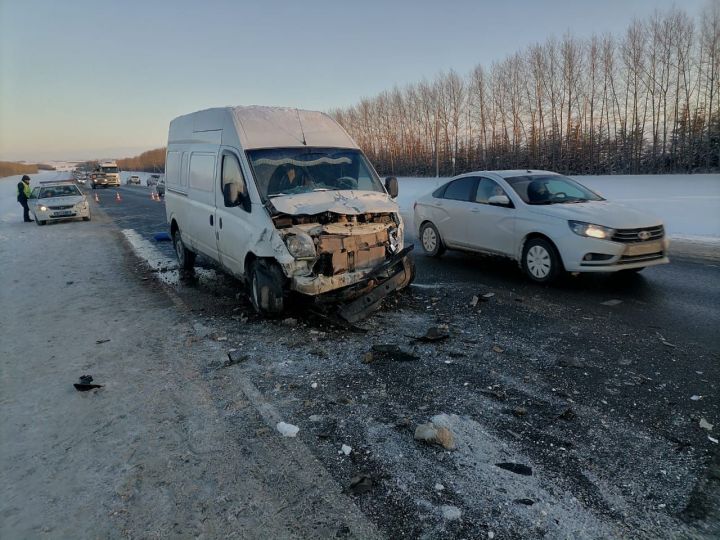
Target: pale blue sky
92,78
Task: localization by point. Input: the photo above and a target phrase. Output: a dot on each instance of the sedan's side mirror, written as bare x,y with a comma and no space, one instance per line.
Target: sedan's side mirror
499,200
391,185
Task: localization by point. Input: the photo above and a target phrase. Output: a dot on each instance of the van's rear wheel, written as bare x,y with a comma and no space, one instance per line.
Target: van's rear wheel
266,288
186,258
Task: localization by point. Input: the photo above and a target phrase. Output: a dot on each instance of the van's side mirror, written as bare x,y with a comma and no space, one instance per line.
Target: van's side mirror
233,197
391,185
499,200
231,194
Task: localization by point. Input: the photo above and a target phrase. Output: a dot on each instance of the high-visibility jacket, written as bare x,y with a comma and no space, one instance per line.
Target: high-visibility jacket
26,189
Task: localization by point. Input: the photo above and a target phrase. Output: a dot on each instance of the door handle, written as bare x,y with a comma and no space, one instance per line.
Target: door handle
221,223
212,221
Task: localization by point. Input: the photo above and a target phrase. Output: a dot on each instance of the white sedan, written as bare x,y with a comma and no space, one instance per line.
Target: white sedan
53,201
545,221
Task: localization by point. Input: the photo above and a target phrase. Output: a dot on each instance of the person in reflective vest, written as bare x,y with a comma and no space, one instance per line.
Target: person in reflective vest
23,194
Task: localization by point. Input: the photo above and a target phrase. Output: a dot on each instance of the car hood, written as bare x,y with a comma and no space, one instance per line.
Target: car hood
61,201
339,202
606,213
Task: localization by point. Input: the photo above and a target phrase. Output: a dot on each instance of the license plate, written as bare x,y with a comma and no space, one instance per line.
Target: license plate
644,248
62,213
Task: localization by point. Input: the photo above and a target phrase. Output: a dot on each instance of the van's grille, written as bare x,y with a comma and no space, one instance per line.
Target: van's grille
628,236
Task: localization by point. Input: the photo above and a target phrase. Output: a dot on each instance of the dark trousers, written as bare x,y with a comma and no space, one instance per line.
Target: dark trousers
26,210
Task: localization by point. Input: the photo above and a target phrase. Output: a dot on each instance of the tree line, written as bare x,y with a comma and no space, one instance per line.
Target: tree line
150,161
646,101
11,168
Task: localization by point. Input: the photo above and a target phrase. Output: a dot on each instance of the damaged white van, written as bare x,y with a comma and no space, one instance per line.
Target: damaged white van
285,200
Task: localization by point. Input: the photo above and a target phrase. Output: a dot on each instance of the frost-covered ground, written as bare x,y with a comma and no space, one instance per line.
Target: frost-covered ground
689,204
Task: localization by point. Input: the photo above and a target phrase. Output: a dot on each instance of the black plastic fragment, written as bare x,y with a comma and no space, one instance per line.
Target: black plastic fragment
517,468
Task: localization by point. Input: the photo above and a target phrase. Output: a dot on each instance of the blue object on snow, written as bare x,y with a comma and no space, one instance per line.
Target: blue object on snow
162,237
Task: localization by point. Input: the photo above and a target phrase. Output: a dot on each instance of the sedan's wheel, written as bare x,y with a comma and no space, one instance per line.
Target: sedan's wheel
540,260
186,258
430,239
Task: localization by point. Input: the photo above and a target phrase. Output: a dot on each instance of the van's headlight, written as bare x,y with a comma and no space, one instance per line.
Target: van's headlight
300,246
591,230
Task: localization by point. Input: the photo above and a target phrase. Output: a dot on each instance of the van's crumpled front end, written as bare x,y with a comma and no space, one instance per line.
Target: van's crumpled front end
352,251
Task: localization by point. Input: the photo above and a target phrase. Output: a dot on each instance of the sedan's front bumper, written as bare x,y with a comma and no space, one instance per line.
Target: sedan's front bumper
582,254
57,215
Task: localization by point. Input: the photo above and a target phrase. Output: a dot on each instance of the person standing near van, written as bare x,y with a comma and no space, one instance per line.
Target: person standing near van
23,194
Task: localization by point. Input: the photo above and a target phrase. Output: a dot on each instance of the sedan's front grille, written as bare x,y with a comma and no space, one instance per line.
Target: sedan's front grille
645,234
61,207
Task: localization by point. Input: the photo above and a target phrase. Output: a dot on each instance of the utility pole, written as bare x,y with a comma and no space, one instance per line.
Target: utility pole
437,149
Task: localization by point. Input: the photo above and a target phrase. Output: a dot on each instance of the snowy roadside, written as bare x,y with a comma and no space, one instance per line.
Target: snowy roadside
152,453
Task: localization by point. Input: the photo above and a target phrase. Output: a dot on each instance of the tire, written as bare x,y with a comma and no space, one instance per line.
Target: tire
430,240
40,222
541,261
186,258
93,186
266,288
86,218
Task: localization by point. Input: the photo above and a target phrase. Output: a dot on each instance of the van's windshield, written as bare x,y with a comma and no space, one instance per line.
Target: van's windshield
288,171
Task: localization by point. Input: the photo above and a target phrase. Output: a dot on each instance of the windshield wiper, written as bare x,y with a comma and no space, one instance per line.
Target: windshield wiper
276,195
321,189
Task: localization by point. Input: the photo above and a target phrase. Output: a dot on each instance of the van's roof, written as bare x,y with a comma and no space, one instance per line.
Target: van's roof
268,127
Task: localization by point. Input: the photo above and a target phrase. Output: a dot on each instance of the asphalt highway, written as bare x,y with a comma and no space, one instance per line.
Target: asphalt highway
679,301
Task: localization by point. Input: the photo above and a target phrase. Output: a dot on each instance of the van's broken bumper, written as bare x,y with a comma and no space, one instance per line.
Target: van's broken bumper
362,290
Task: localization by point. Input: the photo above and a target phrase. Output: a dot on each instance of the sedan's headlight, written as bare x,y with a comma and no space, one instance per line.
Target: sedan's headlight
42,208
300,246
591,230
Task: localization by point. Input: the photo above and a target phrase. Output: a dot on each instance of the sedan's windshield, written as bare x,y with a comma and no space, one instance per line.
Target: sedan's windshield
58,191
288,171
550,189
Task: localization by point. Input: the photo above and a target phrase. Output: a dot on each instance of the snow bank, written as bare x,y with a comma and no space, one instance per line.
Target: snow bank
10,210
688,204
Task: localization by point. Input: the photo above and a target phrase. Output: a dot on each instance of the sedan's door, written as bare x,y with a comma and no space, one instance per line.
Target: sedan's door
490,227
234,214
451,209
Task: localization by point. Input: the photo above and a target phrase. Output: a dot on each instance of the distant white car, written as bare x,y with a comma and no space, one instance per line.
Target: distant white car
53,201
160,187
134,179
545,221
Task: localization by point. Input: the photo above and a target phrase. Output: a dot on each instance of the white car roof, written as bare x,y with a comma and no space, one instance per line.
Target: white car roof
510,173
260,127
267,127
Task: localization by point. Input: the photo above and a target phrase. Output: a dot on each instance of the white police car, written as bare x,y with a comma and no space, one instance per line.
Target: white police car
53,201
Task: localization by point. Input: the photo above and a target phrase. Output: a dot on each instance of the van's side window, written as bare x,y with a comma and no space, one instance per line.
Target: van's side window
172,169
233,182
202,171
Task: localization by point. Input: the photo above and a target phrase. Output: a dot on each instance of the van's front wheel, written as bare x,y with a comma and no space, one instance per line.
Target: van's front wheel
266,288
186,258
